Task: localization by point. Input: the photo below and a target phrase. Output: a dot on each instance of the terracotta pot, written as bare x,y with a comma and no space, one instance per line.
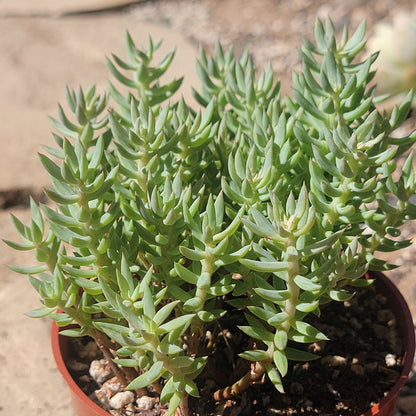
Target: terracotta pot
86,407
406,332
83,405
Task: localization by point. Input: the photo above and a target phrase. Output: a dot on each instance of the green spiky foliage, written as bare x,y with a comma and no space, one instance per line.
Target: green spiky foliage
166,218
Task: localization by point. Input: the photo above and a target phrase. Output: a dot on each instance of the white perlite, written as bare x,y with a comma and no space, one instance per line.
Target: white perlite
390,360
100,371
145,402
112,386
102,396
334,360
121,399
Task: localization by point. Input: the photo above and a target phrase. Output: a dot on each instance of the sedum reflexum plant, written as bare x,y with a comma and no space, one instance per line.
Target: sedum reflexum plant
166,218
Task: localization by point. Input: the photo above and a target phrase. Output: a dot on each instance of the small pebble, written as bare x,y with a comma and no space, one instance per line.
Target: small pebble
360,357
77,365
380,331
392,323
85,378
102,396
112,386
130,410
381,299
90,350
121,399
317,346
385,315
145,402
355,323
357,369
100,371
334,360
305,366
390,360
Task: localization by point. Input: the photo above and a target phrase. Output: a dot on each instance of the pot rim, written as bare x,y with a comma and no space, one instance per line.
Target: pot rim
396,301
56,342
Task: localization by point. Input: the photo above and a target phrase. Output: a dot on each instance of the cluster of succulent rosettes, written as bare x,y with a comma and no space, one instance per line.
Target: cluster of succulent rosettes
166,217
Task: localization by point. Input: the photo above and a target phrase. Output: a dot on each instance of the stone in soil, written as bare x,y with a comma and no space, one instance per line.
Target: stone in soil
391,360
145,402
100,371
338,378
121,399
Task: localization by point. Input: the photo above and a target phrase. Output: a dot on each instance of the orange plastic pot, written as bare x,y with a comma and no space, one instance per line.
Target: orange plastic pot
406,333
84,406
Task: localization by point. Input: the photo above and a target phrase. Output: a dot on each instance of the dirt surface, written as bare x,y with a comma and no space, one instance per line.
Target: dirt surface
47,44
353,371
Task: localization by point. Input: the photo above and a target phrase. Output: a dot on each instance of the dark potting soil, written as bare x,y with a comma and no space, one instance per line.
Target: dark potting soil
358,366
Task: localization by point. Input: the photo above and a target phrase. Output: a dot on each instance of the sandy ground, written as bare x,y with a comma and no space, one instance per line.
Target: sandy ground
47,44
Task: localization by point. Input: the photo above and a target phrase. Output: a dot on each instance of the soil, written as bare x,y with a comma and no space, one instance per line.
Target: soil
358,366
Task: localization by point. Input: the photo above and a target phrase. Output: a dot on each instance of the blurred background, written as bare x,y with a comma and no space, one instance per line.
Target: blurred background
47,44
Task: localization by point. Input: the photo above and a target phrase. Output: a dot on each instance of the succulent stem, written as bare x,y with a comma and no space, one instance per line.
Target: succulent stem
251,377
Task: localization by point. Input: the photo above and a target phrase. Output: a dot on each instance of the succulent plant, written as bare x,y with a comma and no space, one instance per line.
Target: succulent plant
165,218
